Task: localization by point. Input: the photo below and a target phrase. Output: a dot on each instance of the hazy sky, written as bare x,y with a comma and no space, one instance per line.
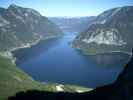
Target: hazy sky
68,7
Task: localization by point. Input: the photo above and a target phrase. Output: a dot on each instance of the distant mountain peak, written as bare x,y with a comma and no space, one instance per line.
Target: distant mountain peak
13,6
18,9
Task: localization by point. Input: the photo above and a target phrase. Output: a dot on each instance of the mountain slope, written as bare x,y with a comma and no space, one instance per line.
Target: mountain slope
110,32
20,26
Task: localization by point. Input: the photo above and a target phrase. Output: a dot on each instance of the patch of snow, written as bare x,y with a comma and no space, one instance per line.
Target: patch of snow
108,37
26,14
103,21
59,88
79,91
117,10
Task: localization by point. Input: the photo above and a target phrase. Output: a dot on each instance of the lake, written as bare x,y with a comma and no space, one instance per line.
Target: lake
56,61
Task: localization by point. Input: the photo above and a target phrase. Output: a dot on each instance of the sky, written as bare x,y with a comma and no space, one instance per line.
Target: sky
69,8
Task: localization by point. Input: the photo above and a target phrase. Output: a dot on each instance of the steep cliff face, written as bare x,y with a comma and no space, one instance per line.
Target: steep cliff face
110,31
124,83
20,26
121,89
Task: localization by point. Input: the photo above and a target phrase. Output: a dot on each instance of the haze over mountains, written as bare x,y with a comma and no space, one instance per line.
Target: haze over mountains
111,31
72,24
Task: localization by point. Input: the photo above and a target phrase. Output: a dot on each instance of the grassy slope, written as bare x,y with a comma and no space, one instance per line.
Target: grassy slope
13,80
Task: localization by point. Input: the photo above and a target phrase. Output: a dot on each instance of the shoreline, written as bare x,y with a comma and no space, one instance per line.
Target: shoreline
100,53
9,55
128,53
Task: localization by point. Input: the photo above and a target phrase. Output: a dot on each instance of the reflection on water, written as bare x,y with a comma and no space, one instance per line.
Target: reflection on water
26,54
55,61
112,59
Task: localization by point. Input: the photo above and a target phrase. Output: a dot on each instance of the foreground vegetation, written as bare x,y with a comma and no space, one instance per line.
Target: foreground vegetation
13,80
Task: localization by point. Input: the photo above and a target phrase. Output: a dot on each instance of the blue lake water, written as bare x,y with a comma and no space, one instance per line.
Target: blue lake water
56,61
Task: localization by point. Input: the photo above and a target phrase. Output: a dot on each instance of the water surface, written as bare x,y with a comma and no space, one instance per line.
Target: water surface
56,61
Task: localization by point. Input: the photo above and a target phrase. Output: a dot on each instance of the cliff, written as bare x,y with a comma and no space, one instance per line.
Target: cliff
111,31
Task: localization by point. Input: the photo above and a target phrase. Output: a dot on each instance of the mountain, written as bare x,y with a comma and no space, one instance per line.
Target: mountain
121,89
72,24
23,26
111,31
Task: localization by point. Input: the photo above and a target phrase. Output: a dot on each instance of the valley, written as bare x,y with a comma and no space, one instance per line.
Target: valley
60,54
57,62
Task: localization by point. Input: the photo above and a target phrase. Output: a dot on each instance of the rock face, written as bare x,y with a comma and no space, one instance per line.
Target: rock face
121,89
19,26
110,31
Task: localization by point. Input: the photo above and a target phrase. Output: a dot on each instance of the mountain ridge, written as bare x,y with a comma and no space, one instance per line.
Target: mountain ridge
23,26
